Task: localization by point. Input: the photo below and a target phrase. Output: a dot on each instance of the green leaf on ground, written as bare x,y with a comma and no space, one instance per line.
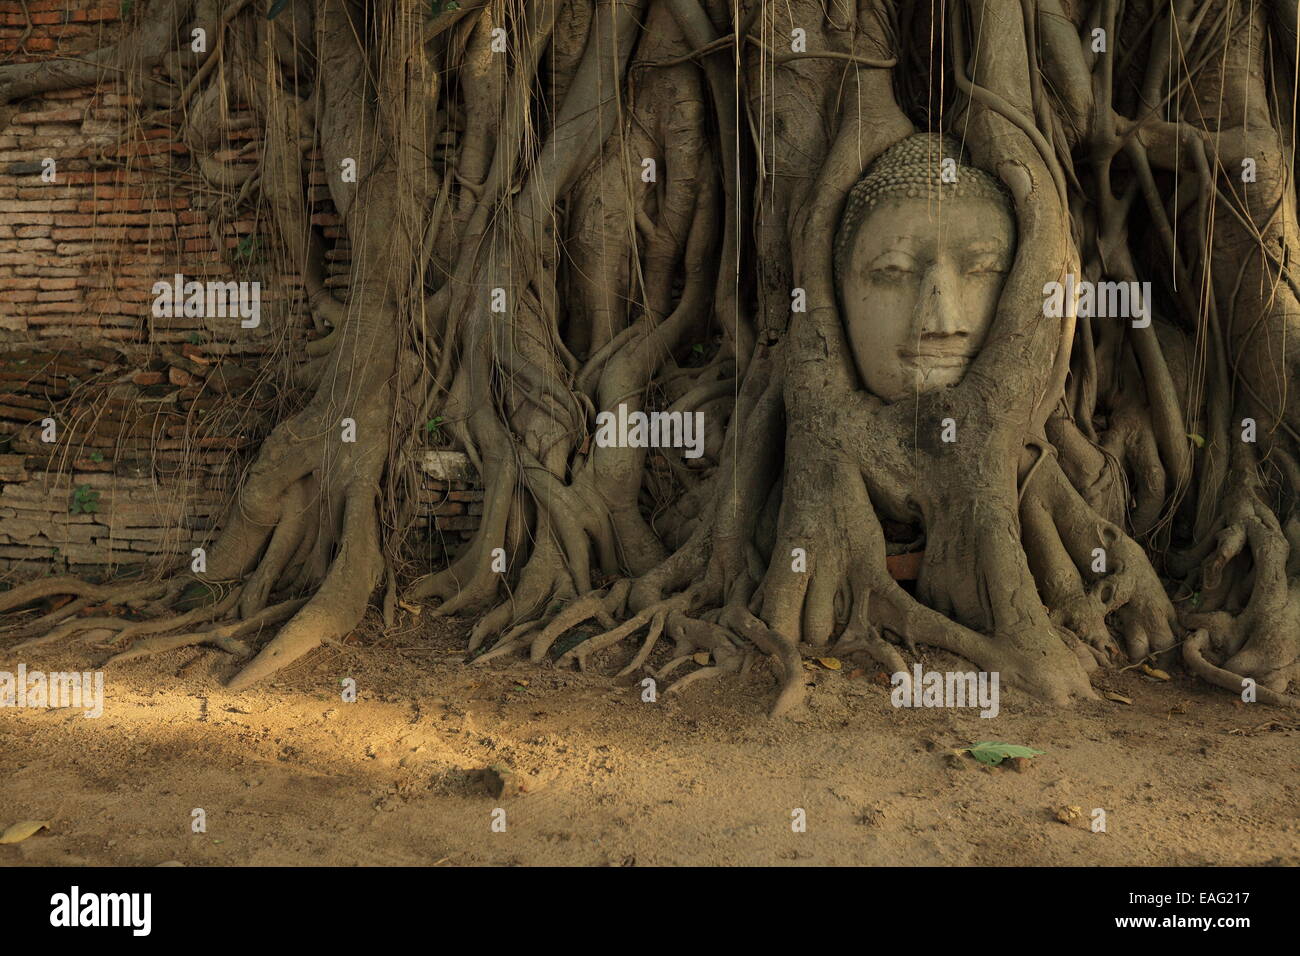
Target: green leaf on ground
993,752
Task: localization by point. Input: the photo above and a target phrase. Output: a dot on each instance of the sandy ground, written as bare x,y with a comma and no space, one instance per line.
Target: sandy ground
291,774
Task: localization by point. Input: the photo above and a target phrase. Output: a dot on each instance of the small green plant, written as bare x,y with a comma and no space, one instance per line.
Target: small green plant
85,500
438,7
193,338
126,8
97,456
433,428
247,248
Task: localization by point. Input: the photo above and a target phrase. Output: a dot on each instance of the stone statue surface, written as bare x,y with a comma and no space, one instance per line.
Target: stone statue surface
924,245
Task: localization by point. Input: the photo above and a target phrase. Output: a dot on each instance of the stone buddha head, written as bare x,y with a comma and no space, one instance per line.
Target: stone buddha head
923,248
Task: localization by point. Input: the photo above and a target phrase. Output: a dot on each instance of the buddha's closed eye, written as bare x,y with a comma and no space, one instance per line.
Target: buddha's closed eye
987,265
893,266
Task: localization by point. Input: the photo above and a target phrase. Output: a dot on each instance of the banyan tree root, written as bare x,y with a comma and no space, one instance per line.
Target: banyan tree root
563,211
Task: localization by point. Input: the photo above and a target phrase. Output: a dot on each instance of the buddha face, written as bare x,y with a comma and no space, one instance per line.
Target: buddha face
921,290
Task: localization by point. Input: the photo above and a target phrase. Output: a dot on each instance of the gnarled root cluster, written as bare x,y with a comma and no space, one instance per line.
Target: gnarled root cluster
564,208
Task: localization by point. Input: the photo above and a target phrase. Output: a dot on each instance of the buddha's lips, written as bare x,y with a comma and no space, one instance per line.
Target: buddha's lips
939,359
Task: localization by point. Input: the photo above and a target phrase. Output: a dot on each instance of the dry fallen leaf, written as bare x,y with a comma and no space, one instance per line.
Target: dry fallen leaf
830,663
1118,698
1155,672
701,658
1068,815
415,609
21,831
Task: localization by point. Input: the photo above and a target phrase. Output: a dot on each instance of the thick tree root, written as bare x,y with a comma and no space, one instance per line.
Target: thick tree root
1194,651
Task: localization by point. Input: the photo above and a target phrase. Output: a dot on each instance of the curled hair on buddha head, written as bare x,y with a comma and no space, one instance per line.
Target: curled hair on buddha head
913,169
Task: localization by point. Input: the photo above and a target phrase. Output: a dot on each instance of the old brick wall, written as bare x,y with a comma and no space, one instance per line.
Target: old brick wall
154,418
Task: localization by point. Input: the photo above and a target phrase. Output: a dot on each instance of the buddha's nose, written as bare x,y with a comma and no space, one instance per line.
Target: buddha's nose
938,308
